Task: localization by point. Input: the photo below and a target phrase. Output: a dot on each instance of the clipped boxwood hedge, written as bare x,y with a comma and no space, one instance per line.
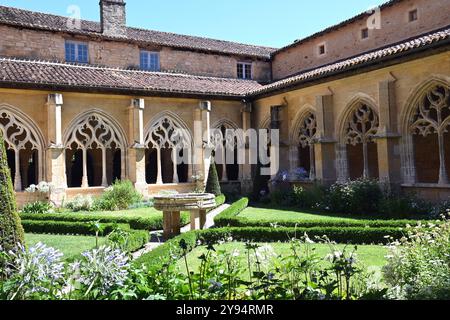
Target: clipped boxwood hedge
237,221
220,200
150,224
65,227
137,239
230,218
221,220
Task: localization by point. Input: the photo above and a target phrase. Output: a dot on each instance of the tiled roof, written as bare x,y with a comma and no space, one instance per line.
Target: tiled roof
42,74
17,72
43,21
392,51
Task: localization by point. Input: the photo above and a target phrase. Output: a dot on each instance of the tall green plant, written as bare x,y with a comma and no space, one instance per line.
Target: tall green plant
11,231
213,185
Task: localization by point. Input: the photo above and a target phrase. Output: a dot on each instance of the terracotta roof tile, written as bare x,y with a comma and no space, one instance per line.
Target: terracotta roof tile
42,73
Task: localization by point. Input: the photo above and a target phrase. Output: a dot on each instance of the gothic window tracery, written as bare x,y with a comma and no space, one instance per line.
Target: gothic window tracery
306,138
361,127
95,133
23,143
167,136
432,118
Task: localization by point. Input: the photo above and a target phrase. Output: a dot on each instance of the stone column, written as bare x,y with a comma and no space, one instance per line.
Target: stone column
246,166
324,148
56,162
202,151
387,139
136,152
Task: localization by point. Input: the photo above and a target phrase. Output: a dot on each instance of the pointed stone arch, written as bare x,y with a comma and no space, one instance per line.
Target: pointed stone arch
302,138
22,134
357,127
424,122
167,132
222,142
95,130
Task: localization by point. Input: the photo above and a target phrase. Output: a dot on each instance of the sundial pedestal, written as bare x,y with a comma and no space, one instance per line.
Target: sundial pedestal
173,205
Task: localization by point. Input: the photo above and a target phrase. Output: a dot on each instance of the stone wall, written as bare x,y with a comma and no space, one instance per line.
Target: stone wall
405,78
346,41
24,43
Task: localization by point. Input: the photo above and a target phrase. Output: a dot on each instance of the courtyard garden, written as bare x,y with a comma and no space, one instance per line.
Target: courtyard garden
352,241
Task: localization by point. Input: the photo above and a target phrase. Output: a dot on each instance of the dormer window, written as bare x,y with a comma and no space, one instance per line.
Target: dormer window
244,70
77,52
150,61
413,15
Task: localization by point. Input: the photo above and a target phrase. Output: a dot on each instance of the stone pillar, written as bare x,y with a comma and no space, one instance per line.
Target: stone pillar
324,148
246,167
56,162
136,152
202,148
387,138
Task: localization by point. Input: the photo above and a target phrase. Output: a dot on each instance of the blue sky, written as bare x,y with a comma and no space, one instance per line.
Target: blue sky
274,23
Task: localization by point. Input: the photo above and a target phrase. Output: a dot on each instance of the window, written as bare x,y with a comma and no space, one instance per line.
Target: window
150,61
413,16
322,49
244,70
77,52
365,33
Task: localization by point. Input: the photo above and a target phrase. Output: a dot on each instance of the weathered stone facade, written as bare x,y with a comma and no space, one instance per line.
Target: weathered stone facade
365,119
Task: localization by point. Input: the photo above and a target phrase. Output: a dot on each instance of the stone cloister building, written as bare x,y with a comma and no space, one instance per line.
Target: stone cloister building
84,103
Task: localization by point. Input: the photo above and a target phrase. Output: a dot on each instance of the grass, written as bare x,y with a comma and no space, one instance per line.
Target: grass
130,213
372,256
70,246
292,215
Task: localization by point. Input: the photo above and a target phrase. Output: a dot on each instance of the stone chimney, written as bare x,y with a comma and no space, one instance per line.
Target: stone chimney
113,18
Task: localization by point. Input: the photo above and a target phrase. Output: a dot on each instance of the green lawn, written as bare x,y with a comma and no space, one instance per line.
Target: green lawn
130,213
372,256
291,215
70,246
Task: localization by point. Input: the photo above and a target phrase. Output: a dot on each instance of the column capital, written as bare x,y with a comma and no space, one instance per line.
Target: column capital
205,106
138,103
247,107
55,99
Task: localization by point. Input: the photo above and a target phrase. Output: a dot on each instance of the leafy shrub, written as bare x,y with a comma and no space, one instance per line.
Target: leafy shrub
120,196
212,184
38,207
361,196
11,231
311,197
419,264
81,203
